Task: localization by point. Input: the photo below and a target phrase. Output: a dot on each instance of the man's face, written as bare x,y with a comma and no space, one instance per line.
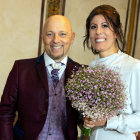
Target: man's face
57,37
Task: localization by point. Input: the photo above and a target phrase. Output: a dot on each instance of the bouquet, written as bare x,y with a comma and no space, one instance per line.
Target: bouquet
96,92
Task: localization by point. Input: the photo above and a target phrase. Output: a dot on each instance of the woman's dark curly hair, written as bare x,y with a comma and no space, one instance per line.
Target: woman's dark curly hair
112,17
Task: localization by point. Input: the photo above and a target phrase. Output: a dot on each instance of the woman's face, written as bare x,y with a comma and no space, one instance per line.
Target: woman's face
102,36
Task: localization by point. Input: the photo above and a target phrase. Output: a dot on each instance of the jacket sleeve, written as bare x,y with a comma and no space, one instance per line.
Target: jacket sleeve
8,105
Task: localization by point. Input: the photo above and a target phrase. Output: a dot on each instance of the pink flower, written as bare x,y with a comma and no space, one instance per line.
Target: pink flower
97,92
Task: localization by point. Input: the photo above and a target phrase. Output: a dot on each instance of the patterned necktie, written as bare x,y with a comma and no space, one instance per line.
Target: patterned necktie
55,77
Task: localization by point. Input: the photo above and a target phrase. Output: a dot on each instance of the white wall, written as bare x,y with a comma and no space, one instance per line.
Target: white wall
19,33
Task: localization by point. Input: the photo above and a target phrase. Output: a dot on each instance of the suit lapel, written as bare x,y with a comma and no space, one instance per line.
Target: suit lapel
41,69
71,66
68,70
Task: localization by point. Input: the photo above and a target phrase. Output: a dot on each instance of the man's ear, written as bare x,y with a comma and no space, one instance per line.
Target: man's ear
73,37
42,37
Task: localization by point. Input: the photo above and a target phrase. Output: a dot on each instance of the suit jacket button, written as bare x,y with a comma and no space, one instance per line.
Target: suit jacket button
46,100
44,112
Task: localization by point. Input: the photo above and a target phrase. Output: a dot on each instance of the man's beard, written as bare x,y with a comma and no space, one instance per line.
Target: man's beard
57,57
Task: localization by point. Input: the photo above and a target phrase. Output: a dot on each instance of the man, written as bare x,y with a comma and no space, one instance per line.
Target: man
43,111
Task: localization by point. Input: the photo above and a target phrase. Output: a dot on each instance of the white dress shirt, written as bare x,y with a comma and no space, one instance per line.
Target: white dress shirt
123,126
49,61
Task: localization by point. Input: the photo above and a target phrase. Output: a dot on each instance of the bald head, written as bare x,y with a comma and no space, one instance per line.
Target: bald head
57,37
55,20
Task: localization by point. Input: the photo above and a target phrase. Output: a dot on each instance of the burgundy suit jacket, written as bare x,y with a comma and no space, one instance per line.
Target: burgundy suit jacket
26,91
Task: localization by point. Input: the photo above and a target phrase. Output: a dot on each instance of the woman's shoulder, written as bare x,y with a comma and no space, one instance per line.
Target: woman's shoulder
130,61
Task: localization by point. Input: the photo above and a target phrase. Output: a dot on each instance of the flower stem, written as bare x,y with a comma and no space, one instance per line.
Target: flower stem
86,131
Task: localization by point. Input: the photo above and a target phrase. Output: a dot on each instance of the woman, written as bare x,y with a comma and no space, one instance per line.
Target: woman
104,33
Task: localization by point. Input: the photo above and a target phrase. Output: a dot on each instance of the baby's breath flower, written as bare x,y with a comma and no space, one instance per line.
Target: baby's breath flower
97,92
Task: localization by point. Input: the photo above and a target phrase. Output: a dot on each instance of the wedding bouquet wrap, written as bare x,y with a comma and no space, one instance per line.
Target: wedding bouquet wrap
97,92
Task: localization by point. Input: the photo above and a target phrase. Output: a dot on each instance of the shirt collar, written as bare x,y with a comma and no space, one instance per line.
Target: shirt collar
49,60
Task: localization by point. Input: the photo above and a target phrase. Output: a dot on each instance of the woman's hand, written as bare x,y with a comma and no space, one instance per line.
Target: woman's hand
90,123
136,134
